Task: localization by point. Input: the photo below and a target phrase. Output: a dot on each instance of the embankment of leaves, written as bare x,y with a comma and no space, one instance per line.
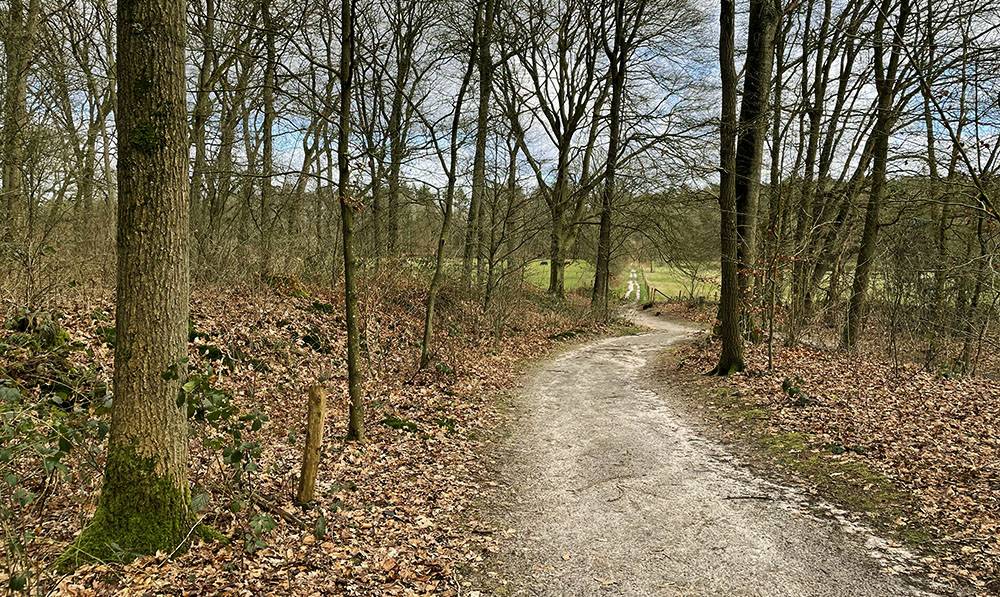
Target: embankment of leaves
911,453
392,516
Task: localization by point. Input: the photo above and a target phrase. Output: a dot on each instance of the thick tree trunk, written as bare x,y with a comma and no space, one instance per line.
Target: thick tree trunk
731,356
356,415
750,147
144,503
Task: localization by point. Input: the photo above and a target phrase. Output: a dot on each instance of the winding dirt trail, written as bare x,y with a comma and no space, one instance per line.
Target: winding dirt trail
617,495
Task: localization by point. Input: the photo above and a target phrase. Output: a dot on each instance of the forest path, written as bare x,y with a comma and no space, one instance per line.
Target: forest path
616,495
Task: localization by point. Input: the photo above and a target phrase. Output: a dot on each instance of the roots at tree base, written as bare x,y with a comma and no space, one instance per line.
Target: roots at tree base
727,369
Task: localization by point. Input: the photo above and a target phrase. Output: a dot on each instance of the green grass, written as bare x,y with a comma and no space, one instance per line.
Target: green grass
579,274
671,281
667,279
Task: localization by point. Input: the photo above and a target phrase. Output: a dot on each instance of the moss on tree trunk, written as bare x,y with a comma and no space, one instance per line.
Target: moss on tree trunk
140,512
144,503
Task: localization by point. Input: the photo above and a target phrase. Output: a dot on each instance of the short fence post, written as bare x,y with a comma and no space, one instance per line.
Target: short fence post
314,444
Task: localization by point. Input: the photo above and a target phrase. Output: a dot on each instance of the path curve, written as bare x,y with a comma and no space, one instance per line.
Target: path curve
617,495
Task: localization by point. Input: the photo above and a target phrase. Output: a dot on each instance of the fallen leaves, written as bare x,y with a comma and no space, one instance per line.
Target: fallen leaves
937,438
397,511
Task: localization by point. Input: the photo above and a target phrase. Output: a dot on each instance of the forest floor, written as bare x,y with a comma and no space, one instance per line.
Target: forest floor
392,516
612,468
910,453
610,490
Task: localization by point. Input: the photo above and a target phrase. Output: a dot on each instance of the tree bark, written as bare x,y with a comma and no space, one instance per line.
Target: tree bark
485,15
199,120
750,147
356,414
19,42
315,417
267,173
885,83
731,356
618,58
452,170
144,502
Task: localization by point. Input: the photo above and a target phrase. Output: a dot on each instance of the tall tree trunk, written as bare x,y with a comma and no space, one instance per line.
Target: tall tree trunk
199,123
484,16
750,147
145,498
557,265
618,59
772,244
19,39
885,83
267,173
808,136
404,42
452,169
356,415
731,356
558,203
940,331
971,323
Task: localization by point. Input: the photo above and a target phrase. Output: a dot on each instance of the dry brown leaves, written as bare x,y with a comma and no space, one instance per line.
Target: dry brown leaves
938,438
398,509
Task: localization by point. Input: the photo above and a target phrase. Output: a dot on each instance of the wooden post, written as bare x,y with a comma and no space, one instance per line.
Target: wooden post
314,444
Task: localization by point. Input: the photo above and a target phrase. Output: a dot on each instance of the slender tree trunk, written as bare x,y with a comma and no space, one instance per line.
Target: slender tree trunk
452,170
557,234
971,322
618,65
940,331
808,151
484,15
731,356
266,188
144,502
772,246
19,41
405,39
557,265
356,415
199,123
885,85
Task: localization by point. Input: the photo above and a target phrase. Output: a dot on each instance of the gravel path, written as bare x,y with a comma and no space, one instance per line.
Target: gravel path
616,495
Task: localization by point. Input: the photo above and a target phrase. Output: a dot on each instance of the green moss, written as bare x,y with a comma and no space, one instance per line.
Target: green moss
140,512
209,533
784,446
847,482
146,138
395,422
833,470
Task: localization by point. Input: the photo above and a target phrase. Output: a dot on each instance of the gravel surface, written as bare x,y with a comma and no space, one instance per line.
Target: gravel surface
617,495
